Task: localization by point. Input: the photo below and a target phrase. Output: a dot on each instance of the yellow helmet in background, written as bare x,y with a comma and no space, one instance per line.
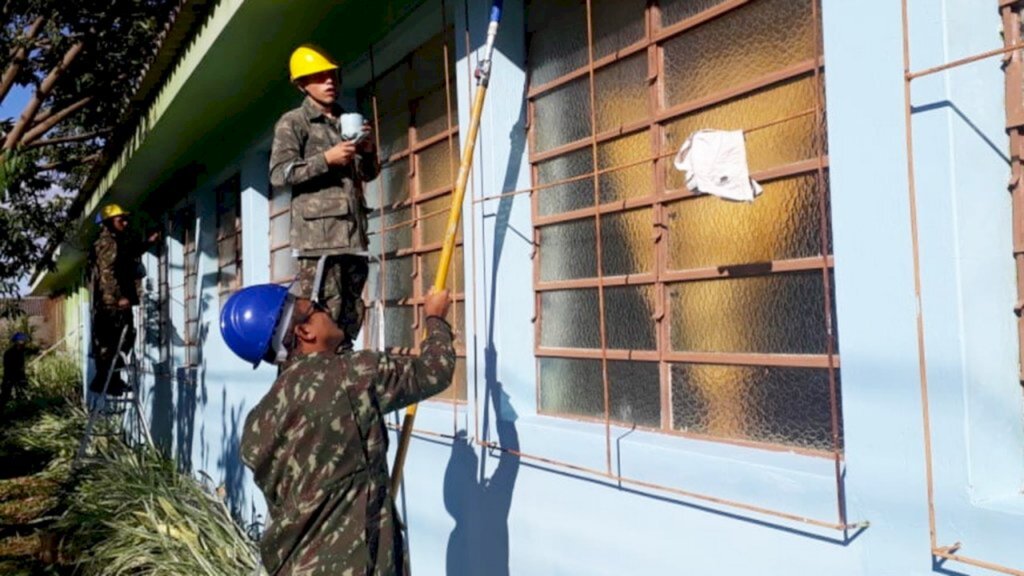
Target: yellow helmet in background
112,210
307,60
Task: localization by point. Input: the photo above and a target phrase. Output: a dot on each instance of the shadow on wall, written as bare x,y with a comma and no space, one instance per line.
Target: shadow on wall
230,461
480,505
191,381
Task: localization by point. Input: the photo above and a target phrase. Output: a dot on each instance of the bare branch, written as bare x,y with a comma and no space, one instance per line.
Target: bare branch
34,103
66,139
69,163
18,56
53,119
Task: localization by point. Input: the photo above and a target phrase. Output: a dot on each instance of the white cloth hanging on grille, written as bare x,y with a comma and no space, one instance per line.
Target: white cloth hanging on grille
715,162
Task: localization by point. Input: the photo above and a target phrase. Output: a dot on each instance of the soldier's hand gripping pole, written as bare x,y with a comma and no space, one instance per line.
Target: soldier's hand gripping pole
483,76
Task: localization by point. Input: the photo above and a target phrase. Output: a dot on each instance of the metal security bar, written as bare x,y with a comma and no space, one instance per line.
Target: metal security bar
1010,12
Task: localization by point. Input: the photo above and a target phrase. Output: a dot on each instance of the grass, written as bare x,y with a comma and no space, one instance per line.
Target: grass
127,512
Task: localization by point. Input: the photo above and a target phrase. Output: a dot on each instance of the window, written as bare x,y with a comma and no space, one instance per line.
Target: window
283,266
657,307
229,237
417,126
185,233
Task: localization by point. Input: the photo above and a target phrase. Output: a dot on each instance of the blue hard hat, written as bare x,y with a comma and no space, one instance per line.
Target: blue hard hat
19,337
250,318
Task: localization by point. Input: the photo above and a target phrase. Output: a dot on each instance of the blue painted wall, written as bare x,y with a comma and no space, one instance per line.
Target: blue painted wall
474,511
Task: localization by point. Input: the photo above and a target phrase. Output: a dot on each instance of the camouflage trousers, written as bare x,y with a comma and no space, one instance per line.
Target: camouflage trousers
341,290
107,326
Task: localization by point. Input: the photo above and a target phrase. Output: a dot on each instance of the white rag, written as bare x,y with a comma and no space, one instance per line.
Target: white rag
715,162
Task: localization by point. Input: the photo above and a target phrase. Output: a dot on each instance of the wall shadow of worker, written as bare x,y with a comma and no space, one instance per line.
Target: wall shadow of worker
479,504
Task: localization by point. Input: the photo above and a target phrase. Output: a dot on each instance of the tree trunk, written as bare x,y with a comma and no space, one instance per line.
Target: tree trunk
44,89
18,59
52,120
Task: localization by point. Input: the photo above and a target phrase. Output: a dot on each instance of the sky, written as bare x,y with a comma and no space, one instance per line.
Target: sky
11,107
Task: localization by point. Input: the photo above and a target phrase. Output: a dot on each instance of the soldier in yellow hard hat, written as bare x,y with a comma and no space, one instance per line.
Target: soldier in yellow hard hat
326,171
116,282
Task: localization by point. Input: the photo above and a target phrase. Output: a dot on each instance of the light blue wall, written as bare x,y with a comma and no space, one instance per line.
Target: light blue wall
473,511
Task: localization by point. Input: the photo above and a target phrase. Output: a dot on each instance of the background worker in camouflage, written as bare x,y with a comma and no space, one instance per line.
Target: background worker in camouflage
116,273
317,442
326,176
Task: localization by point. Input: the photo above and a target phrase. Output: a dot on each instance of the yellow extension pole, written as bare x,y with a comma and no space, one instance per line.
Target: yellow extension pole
448,248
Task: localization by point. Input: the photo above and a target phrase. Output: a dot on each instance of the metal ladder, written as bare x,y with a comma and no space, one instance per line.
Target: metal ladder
121,416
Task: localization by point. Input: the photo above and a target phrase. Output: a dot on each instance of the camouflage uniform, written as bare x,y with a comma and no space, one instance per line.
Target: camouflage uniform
114,266
328,209
317,445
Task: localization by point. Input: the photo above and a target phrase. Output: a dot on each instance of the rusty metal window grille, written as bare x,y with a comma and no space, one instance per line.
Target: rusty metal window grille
416,123
229,237
186,233
656,307
283,266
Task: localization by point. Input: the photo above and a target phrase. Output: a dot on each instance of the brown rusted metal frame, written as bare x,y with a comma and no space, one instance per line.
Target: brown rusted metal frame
276,247
231,186
189,296
419,250
660,277
1014,68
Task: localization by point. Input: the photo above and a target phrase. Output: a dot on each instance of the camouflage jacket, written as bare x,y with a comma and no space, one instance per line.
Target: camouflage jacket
114,267
328,206
317,446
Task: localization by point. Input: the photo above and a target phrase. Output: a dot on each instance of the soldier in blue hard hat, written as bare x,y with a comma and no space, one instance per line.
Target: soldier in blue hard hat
317,442
15,380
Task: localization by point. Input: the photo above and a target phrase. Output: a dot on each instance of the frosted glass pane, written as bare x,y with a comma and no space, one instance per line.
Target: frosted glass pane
456,318
282,265
622,92
627,242
392,89
391,187
371,292
428,65
569,319
557,39
784,143
673,11
457,390
744,44
568,250
280,229
634,393
455,271
626,183
398,330
566,197
437,167
780,313
783,223
617,24
629,322
432,113
432,228
562,115
571,386
398,236
280,199
394,132
779,405
398,276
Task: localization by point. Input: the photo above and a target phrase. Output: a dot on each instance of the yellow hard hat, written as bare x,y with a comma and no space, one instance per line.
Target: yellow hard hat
112,210
307,60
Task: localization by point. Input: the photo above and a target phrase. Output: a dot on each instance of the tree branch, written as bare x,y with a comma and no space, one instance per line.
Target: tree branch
69,163
53,119
34,103
18,56
66,139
